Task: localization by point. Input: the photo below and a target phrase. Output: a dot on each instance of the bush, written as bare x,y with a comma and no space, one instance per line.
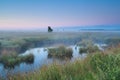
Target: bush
113,41
85,43
89,49
28,58
82,50
10,61
60,52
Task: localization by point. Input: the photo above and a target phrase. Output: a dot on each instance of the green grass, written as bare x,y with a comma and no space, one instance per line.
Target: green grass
97,66
60,52
10,61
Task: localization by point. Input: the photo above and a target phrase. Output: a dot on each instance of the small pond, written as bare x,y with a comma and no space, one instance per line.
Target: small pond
40,59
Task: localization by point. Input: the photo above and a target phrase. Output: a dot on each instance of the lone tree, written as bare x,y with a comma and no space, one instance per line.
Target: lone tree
50,29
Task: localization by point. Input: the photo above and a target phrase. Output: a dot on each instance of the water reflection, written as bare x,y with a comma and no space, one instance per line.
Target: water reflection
40,58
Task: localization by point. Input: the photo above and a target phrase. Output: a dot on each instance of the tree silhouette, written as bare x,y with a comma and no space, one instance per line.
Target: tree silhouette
50,29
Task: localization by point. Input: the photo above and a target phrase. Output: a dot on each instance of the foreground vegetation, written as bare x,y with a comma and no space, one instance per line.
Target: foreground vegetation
97,66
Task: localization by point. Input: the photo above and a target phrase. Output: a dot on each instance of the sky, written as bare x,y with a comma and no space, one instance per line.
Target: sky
35,14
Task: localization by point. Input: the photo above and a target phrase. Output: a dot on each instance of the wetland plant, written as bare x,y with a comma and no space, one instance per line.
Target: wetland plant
60,52
89,49
10,61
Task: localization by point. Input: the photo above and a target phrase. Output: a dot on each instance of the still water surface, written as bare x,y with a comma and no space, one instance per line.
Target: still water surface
40,59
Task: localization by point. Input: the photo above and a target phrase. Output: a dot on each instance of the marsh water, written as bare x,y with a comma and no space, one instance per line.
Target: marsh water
40,59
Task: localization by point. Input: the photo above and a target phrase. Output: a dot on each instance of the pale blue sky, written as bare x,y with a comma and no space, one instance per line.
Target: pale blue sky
41,13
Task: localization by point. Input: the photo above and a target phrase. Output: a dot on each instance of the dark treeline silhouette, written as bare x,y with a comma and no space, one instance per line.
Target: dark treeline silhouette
50,29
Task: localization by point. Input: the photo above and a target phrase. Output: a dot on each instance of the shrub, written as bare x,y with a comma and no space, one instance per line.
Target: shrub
10,61
89,49
60,52
28,58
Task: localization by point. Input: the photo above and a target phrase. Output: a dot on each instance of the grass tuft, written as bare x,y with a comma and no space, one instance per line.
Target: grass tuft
60,52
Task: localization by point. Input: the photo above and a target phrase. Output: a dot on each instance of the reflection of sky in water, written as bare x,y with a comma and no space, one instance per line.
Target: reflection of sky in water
40,59
76,54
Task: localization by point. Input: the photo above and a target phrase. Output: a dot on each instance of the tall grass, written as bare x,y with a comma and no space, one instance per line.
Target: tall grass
98,66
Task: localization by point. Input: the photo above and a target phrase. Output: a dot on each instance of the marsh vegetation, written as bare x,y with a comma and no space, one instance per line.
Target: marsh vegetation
87,46
39,49
11,60
60,52
97,66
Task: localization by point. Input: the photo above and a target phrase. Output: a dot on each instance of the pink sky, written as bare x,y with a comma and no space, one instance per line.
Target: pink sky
34,14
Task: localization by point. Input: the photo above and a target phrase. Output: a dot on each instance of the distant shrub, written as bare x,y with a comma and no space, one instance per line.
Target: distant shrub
87,46
88,49
60,52
50,29
113,41
85,43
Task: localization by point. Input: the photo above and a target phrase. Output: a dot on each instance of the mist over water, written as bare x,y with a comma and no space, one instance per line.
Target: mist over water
87,28
68,29
82,28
